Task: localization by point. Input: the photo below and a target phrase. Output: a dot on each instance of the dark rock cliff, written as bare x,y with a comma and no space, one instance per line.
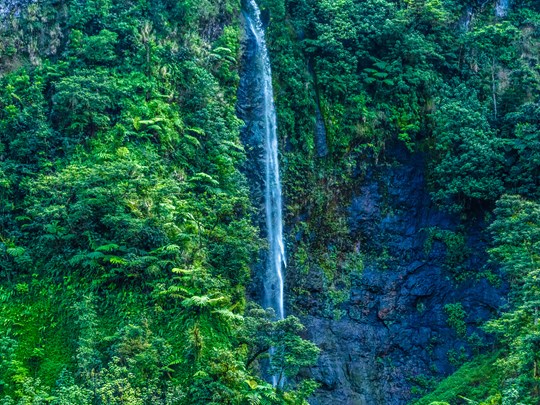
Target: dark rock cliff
394,334
250,110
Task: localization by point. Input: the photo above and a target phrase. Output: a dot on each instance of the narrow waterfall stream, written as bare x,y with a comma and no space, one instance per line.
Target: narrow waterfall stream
273,280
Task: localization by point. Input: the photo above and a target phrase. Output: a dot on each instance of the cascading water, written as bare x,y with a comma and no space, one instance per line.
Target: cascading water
274,280
267,126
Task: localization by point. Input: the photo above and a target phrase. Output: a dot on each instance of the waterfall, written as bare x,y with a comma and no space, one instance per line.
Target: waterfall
274,277
465,21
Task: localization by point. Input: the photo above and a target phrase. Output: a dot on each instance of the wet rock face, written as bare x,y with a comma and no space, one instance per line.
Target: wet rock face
250,110
395,328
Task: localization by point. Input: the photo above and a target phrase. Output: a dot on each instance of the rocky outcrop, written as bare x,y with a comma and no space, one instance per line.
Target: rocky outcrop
395,332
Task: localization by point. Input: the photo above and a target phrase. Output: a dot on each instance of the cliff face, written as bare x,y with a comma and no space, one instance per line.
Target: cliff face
395,334
250,110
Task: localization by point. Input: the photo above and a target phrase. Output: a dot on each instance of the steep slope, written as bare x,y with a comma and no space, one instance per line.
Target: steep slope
394,336
131,202
125,231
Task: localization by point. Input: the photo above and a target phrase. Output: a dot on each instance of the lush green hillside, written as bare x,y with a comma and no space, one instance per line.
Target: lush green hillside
126,226
125,232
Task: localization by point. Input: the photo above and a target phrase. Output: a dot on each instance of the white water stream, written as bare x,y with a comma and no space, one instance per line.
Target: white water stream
274,280
274,277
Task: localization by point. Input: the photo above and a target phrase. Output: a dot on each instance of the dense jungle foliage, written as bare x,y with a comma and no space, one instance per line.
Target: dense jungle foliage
125,222
453,80
125,231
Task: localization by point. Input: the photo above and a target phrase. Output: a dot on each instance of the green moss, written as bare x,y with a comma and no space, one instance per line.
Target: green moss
476,380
